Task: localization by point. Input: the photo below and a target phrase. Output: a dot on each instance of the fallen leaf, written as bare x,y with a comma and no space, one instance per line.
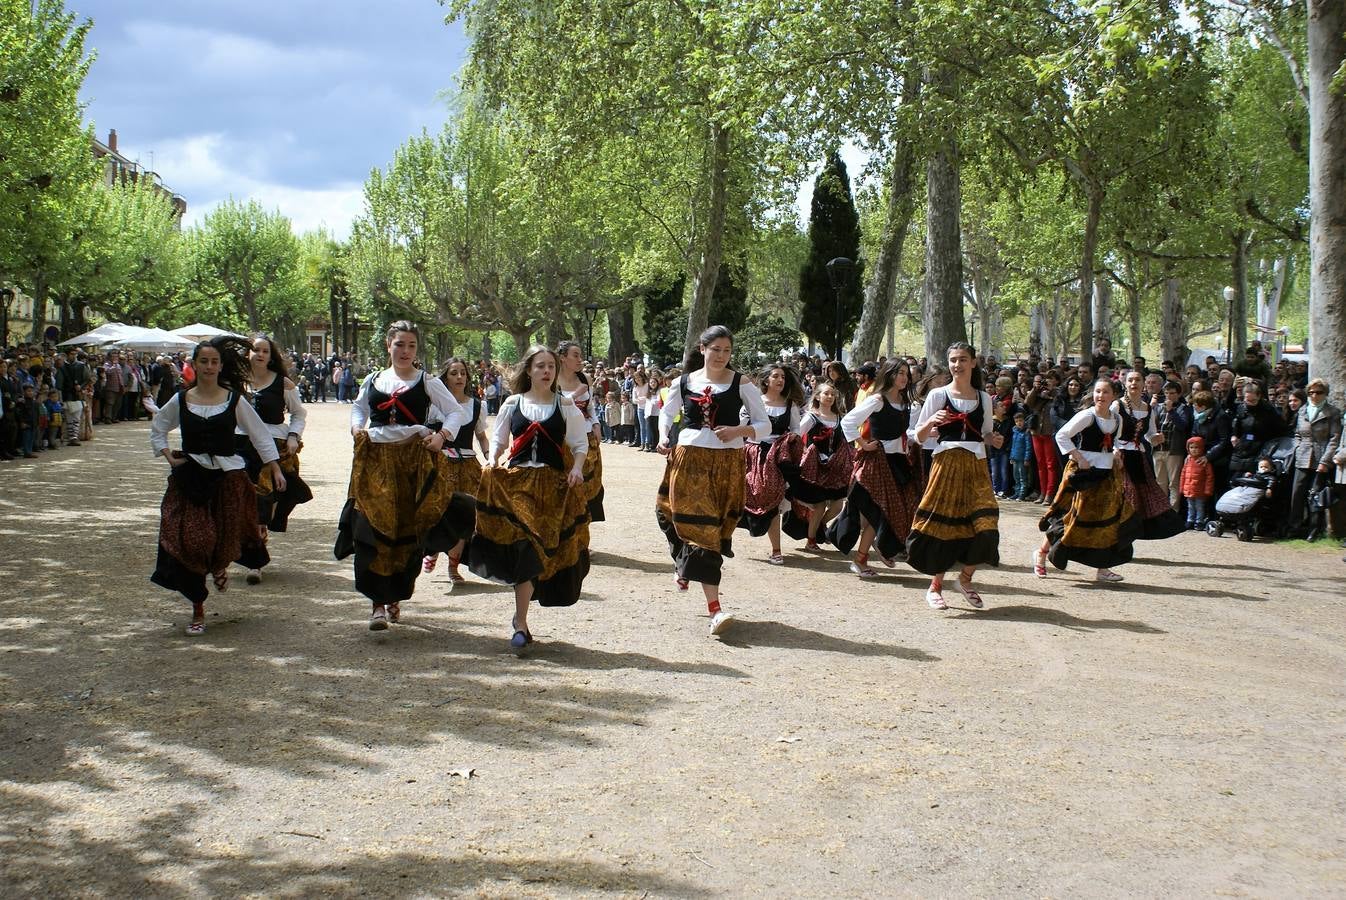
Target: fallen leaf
462,773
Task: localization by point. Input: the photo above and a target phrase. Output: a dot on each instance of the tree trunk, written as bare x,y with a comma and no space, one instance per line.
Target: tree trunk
621,332
1132,289
877,311
486,346
1172,327
79,318
942,293
40,292
1102,311
1269,301
708,270
1327,196
1086,296
522,340
331,311
1238,313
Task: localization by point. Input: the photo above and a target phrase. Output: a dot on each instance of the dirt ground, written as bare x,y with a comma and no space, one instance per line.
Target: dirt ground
1181,733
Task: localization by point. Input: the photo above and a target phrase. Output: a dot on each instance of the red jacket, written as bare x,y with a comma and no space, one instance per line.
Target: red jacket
1198,477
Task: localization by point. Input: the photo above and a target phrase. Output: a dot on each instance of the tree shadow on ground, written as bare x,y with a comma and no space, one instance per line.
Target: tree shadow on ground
613,561
1193,564
1044,616
748,633
157,856
1172,592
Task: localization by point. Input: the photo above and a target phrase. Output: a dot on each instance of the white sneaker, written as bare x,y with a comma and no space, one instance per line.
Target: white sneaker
1108,575
720,622
254,576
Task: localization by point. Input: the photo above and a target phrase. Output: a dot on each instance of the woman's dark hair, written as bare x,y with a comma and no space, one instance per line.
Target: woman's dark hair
394,328
839,406
520,381
277,361
977,380
458,360
888,372
714,333
235,367
564,347
793,392
936,378
841,378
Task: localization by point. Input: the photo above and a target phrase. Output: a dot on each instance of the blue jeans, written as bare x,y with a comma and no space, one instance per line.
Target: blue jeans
1196,512
1020,478
1000,470
605,428
643,428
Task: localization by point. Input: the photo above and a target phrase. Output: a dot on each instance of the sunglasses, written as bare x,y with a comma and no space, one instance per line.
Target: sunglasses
1317,391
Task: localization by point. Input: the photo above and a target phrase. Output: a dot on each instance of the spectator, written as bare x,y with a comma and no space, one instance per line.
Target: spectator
114,385
1173,426
1317,431
54,419
1211,424
1198,483
27,419
1253,366
1021,447
74,378
1253,424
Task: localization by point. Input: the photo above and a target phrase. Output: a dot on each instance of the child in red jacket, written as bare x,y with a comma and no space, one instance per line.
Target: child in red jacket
1198,483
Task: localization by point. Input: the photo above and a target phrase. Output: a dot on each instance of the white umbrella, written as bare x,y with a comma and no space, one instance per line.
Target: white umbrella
201,331
103,334
154,339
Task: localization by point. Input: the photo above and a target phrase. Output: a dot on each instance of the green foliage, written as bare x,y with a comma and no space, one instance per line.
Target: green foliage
834,231
761,340
246,260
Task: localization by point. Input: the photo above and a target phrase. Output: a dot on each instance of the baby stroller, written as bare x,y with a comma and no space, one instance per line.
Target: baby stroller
1245,507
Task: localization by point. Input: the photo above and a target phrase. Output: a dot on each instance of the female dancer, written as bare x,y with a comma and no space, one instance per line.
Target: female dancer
574,386
273,396
1090,520
209,512
766,471
823,460
532,519
957,522
701,496
883,491
401,504
464,469
1142,490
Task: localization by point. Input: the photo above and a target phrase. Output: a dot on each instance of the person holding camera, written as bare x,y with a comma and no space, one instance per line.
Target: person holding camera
1173,428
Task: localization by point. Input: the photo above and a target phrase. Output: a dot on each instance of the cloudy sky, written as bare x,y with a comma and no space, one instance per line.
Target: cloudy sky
288,102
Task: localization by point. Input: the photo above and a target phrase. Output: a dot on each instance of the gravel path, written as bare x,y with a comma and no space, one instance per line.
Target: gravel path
1181,733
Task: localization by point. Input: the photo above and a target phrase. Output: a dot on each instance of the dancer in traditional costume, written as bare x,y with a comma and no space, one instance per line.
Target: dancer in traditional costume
464,468
822,460
1158,520
1090,520
209,513
274,397
767,473
532,518
957,521
885,483
575,386
401,504
701,496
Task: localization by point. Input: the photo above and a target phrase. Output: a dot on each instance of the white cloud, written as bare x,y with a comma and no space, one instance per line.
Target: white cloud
206,171
227,55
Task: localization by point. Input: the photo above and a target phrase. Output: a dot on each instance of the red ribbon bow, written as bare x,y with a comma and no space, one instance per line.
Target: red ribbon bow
1107,443
960,417
706,400
523,440
393,404
822,435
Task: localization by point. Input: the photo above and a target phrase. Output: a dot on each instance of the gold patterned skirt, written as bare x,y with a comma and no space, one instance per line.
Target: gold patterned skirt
401,506
1090,520
532,526
593,480
957,522
273,506
698,507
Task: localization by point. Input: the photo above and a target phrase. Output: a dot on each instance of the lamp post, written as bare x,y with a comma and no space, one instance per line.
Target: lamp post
6,295
972,321
1229,295
590,313
838,275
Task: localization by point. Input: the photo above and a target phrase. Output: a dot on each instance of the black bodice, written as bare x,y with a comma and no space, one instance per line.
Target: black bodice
537,441
270,402
709,409
962,426
212,435
401,407
888,422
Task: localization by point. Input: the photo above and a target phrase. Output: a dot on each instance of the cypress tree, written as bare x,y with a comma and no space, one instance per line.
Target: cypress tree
834,230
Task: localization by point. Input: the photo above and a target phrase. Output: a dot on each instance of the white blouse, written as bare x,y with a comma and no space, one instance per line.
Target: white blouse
934,402
577,428
1065,437
1149,431
705,437
294,407
851,423
579,395
792,428
169,417
443,408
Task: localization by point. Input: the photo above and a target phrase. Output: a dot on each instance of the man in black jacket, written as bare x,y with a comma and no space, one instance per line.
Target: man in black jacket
74,375
1253,423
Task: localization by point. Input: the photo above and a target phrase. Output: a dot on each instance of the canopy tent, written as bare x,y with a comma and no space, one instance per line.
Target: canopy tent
154,339
103,334
200,331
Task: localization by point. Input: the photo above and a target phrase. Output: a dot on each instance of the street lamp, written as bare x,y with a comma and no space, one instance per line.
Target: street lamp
6,295
590,313
838,275
1229,295
972,321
